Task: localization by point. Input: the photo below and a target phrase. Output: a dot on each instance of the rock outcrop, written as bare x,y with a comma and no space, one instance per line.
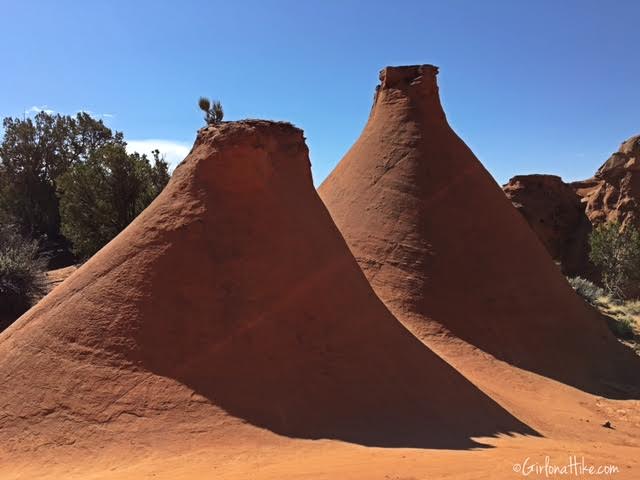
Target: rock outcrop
562,224
613,194
446,251
557,215
232,301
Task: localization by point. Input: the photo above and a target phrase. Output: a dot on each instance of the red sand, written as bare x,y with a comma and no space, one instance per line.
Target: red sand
449,255
231,303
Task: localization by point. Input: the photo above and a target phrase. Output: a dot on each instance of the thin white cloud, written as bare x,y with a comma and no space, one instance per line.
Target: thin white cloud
174,152
93,114
40,108
45,108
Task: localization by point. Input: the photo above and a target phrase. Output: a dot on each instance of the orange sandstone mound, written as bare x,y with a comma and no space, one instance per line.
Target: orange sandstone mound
232,303
449,255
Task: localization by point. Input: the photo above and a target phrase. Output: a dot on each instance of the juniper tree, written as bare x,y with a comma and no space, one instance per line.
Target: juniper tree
615,249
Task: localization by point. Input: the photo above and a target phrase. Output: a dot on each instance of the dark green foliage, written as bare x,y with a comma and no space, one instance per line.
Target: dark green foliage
217,113
101,196
21,272
159,174
34,153
71,176
204,104
213,111
616,251
622,328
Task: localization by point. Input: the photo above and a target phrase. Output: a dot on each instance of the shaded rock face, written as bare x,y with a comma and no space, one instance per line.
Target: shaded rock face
446,251
231,299
563,214
556,214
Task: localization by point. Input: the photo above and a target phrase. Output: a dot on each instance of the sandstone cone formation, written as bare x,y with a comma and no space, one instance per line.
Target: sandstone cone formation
446,251
231,302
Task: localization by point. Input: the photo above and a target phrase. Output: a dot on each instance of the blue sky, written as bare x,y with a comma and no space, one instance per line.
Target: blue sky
544,86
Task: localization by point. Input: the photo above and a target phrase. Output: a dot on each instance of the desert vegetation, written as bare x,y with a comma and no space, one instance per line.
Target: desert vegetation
587,289
21,272
213,112
100,197
623,315
67,187
615,250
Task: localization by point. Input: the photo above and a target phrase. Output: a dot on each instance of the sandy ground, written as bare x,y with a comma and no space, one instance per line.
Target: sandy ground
331,460
569,422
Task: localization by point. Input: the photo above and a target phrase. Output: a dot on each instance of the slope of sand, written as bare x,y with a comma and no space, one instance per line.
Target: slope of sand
261,455
449,255
569,421
229,318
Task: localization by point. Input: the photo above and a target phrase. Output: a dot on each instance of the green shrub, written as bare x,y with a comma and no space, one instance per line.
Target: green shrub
21,272
586,289
616,251
622,327
213,111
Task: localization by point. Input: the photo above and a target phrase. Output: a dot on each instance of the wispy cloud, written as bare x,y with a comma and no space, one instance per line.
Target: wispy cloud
45,108
93,114
173,151
40,108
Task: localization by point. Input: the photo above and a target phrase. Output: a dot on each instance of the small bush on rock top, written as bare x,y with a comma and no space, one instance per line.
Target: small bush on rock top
213,113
